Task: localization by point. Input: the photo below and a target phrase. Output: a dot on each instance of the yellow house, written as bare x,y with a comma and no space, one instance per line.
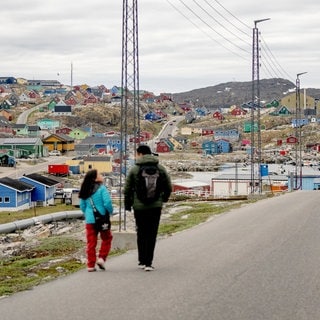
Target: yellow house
59,142
101,163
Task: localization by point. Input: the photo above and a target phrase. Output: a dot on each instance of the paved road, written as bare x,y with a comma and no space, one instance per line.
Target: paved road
260,261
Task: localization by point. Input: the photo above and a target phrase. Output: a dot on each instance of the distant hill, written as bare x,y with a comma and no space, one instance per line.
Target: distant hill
236,93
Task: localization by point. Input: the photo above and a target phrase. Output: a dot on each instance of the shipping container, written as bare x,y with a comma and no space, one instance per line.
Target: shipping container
58,169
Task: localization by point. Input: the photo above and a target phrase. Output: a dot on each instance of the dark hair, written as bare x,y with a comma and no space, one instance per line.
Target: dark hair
144,149
88,184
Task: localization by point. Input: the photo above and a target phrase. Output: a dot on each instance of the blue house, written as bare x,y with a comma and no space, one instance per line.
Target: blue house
152,116
201,111
224,146
299,122
44,187
231,134
14,194
210,147
93,144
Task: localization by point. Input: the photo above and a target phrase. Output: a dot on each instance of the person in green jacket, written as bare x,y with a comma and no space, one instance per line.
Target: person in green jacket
146,213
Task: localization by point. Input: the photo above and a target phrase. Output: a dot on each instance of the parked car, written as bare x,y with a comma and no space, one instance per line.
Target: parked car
54,153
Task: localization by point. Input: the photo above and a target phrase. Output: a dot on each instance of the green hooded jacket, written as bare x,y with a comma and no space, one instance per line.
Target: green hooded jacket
130,197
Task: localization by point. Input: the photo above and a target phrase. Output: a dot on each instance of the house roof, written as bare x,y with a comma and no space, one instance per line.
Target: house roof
19,125
60,136
20,141
97,158
191,184
41,179
16,184
245,176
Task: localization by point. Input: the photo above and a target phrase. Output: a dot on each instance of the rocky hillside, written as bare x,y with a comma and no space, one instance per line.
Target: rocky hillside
230,93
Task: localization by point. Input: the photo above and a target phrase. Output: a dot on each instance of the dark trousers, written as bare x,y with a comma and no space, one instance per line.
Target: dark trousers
147,223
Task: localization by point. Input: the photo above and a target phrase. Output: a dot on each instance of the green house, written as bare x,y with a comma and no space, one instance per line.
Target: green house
22,147
281,111
48,124
79,134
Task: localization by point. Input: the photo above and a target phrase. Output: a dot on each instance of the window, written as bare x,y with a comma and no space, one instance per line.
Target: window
6,199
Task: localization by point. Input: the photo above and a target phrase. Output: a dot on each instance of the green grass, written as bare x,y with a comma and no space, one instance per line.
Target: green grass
199,213
50,259
7,216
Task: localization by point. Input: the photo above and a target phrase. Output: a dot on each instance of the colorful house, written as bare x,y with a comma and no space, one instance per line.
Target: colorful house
7,114
22,147
14,194
101,163
5,126
163,147
5,105
48,124
281,111
207,132
59,142
44,188
20,129
210,147
64,130
78,134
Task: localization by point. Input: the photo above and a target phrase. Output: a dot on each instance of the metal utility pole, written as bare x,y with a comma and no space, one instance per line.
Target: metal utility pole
255,125
130,117
298,134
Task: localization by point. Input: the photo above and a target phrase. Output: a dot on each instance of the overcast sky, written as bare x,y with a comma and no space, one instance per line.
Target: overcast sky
183,45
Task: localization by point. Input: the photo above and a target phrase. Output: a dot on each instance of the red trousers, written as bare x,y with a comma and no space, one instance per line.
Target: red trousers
92,240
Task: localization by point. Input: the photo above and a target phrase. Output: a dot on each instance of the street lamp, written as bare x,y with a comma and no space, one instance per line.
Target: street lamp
298,134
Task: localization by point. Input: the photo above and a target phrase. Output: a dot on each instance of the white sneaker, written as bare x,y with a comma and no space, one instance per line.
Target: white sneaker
141,266
149,268
100,263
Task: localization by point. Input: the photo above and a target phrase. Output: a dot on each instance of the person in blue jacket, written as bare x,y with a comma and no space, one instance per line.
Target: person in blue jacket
93,190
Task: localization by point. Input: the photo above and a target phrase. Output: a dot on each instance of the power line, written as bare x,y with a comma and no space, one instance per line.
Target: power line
219,34
220,24
227,20
232,15
275,60
270,63
206,33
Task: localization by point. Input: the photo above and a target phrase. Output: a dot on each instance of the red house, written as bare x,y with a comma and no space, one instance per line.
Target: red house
292,140
71,101
90,99
64,130
237,111
218,115
207,132
162,147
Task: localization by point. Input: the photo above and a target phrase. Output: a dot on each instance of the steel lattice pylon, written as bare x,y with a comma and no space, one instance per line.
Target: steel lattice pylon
255,112
130,111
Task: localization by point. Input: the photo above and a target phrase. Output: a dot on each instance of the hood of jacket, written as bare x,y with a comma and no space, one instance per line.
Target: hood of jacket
147,159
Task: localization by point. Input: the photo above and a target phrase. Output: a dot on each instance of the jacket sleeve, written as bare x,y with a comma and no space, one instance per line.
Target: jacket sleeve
129,191
167,185
107,202
82,205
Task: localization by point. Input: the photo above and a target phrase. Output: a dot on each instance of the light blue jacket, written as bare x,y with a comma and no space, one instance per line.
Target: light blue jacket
102,201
